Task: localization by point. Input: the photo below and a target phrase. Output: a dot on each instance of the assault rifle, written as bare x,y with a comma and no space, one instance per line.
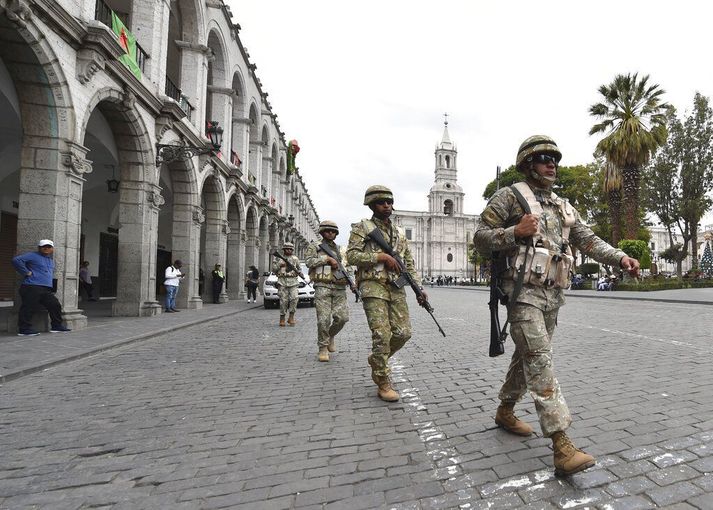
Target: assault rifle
404,276
497,297
341,272
289,265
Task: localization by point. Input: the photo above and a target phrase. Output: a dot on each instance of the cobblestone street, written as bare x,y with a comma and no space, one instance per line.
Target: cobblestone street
237,413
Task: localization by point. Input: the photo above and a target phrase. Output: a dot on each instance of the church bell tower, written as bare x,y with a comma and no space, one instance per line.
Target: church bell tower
446,196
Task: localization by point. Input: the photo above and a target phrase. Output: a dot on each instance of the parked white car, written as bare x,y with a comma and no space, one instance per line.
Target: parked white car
271,298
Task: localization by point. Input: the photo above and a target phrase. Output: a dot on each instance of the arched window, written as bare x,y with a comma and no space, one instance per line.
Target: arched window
449,258
448,206
448,161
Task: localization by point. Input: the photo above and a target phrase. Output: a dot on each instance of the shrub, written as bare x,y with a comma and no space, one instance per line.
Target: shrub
588,269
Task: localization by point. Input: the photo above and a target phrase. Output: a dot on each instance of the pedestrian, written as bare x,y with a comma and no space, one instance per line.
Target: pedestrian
218,279
172,280
252,278
543,238
288,283
37,269
85,281
330,297
377,273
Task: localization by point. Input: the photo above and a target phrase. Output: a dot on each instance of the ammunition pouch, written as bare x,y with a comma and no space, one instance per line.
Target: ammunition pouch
543,267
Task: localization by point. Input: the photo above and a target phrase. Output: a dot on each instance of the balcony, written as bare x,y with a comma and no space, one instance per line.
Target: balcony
102,13
175,93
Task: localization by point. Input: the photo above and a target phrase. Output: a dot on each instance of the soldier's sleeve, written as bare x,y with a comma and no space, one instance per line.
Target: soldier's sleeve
276,264
357,255
491,233
410,266
582,237
313,258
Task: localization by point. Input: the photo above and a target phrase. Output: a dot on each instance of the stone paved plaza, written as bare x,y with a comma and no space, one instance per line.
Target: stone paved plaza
237,413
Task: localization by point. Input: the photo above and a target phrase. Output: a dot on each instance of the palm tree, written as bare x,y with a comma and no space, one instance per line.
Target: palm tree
632,116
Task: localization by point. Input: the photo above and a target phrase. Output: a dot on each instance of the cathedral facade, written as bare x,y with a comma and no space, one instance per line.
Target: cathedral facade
440,237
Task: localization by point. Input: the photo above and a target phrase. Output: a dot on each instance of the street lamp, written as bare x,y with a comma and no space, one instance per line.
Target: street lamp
166,153
112,185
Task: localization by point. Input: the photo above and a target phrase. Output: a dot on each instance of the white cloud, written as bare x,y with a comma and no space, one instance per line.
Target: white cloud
363,85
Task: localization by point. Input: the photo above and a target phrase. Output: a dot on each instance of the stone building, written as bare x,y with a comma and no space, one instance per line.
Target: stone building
440,237
114,162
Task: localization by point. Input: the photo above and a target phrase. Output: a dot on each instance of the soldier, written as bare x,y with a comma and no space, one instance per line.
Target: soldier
384,303
288,282
542,239
330,299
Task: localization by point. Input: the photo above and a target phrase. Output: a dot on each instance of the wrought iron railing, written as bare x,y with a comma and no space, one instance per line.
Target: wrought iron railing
175,93
102,13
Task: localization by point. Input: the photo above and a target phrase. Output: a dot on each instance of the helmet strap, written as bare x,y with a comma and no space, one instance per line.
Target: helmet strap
541,180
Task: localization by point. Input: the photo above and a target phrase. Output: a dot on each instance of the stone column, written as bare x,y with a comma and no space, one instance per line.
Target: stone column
186,243
222,111
194,298
254,160
215,238
234,261
239,140
194,69
138,216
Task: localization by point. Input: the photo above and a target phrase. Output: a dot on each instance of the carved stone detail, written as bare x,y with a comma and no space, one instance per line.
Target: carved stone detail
74,159
243,236
17,11
226,228
128,99
198,216
155,198
89,62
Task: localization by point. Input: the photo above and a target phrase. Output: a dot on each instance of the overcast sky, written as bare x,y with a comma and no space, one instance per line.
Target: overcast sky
363,85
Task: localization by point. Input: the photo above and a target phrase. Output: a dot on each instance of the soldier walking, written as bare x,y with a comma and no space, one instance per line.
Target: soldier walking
330,298
539,243
384,303
288,282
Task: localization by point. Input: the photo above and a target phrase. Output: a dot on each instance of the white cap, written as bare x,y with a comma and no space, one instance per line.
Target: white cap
46,242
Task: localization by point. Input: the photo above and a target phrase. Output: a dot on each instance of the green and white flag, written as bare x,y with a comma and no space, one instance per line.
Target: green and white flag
128,42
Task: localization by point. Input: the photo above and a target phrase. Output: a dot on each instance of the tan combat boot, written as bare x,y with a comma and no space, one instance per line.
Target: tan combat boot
386,391
323,354
568,458
282,321
291,319
505,418
331,347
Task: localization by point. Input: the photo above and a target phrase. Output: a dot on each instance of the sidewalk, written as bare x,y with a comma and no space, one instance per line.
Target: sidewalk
24,355
690,296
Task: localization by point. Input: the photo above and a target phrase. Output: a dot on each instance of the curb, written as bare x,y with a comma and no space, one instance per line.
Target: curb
31,369
573,294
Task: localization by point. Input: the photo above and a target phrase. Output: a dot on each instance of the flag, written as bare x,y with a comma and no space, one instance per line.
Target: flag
128,42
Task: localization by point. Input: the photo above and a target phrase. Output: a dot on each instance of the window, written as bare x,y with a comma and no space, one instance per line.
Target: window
653,246
449,258
448,161
409,233
448,207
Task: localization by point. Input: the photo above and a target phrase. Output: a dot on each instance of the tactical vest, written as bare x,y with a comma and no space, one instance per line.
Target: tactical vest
545,265
378,272
324,274
284,272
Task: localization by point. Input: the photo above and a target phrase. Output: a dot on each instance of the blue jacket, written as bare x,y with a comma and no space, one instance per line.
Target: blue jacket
42,268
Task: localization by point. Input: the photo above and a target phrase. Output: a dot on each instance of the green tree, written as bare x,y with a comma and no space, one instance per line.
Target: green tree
680,177
632,117
507,178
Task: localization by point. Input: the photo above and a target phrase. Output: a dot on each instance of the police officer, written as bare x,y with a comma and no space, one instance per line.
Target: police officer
288,282
330,299
385,304
541,240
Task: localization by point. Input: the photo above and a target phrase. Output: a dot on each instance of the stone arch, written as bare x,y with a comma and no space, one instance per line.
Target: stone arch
264,237
254,144
239,128
264,161
213,234
45,158
217,94
251,240
235,245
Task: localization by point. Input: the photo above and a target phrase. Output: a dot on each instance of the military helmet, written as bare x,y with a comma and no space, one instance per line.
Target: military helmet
287,246
538,144
377,192
328,225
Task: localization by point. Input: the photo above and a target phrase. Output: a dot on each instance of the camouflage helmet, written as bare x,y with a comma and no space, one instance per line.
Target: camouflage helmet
328,225
377,192
538,144
288,246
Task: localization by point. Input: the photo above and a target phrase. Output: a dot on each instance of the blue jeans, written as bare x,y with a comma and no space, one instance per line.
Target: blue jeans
171,291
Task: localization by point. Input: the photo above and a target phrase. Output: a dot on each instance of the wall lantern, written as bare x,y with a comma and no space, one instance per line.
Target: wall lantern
112,185
290,219
168,153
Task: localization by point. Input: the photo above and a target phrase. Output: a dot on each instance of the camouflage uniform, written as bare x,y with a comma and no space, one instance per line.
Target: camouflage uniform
385,305
330,298
288,282
534,316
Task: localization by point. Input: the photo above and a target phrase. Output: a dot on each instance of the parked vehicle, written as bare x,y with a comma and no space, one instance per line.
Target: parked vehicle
271,298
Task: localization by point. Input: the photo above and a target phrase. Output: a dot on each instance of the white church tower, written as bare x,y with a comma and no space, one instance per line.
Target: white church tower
439,237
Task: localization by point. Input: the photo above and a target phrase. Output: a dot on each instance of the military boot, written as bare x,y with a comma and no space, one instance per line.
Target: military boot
386,391
505,418
568,458
291,319
323,354
282,321
331,347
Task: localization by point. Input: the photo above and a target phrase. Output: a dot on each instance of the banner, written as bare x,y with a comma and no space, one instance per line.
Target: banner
128,42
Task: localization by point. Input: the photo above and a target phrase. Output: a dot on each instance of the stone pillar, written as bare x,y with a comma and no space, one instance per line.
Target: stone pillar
235,254
254,162
215,239
186,243
194,298
194,69
240,135
139,204
222,111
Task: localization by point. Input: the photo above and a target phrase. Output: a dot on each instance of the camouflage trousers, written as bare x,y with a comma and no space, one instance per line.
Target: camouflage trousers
288,299
531,367
390,329
332,312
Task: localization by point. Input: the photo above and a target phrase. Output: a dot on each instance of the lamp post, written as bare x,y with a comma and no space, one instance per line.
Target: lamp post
166,153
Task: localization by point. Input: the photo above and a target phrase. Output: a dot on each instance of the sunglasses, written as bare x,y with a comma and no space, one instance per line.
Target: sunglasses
544,158
384,201
328,231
